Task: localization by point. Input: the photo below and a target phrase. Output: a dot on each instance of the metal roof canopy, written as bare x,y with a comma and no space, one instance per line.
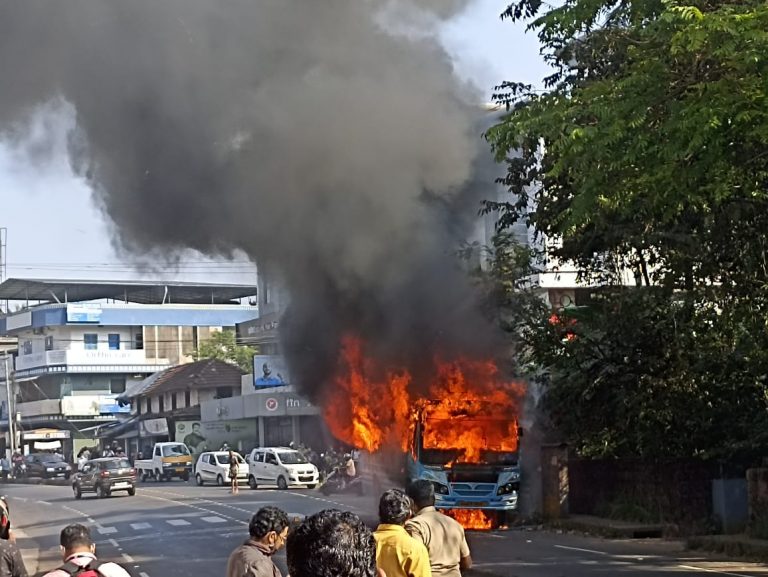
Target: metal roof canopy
132,291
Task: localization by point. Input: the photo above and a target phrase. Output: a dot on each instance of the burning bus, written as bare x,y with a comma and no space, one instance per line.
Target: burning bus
457,429
468,449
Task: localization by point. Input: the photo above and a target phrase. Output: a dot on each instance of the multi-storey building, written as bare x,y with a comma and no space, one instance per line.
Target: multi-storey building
82,343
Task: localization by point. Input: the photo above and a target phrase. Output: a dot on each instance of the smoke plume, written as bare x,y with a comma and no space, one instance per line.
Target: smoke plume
328,140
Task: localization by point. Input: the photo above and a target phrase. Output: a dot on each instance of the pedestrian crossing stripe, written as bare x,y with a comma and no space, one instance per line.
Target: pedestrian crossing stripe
178,522
107,530
213,520
141,526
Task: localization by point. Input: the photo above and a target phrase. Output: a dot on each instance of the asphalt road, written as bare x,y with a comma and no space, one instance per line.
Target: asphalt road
175,529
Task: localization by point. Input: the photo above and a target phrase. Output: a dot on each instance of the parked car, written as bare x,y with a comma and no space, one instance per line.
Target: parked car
213,467
47,466
104,476
280,466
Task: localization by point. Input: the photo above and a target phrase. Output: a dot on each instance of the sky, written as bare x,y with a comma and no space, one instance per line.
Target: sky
54,230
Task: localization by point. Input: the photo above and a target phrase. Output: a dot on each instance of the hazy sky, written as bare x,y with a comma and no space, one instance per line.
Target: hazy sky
55,231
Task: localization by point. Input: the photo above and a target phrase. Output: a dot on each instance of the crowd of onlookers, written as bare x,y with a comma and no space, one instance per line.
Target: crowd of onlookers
412,539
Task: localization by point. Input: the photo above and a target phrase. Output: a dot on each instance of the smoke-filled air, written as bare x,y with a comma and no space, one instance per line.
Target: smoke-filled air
329,140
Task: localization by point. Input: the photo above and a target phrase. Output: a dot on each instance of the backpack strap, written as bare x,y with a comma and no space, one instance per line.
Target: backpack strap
73,569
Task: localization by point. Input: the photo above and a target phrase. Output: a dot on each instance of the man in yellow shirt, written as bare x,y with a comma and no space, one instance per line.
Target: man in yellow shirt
397,553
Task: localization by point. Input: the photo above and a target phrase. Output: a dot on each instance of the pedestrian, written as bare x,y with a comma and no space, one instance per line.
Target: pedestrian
268,530
234,469
397,553
79,554
332,543
11,562
444,537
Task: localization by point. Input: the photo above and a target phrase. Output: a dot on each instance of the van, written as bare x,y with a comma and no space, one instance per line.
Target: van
280,466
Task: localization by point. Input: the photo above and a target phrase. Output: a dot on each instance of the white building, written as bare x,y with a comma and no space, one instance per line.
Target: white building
84,342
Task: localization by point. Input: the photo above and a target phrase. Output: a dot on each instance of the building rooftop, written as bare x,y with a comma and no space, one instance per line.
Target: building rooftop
204,374
129,291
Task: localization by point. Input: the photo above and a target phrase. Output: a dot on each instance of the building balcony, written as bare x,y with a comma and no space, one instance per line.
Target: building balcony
88,361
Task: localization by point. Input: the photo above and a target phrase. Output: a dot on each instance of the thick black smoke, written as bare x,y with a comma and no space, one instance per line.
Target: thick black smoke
327,139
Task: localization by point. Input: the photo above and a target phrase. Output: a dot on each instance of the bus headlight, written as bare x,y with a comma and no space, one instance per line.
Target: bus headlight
507,489
440,489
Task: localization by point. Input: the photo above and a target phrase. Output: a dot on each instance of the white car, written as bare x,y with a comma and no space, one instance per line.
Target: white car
280,466
213,467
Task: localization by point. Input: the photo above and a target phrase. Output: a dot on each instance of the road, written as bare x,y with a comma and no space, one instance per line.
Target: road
177,529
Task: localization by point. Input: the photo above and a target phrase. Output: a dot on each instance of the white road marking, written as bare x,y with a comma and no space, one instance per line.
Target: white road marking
24,499
114,543
107,530
127,558
580,549
214,520
141,526
177,522
91,520
712,571
142,574
45,503
181,503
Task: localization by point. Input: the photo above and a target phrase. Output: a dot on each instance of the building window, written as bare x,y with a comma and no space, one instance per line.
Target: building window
173,402
161,399
114,341
91,341
223,392
139,341
187,399
147,406
138,406
117,385
48,343
26,347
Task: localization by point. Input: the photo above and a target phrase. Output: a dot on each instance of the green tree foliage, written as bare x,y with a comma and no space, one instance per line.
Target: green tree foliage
223,346
648,152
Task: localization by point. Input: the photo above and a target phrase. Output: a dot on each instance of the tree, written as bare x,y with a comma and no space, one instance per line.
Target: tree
649,152
223,346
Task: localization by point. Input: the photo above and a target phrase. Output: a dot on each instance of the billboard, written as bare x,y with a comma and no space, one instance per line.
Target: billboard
199,436
269,371
84,314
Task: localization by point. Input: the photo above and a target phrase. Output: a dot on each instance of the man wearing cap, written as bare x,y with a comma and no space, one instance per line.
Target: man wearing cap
397,553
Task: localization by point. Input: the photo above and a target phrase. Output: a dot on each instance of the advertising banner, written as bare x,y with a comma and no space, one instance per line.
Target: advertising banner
269,371
199,436
154,427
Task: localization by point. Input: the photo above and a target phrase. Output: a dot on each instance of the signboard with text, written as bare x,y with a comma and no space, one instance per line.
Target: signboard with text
199,436
90,314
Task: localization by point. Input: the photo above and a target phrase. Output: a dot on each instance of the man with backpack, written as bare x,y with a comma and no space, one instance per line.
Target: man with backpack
79,554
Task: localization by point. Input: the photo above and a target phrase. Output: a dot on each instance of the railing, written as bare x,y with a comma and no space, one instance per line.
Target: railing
86,357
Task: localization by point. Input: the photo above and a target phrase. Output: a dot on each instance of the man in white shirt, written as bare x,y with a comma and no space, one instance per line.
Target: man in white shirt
79,554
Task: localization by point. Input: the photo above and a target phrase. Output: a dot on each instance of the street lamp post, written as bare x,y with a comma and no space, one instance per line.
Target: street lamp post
9,412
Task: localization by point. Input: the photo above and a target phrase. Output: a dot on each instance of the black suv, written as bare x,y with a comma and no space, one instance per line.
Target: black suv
47,466
103,476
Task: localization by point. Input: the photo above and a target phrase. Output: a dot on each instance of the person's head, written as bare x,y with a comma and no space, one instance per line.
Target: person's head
422,493
331,543
394,507
265,369
76,538
195,427
269,526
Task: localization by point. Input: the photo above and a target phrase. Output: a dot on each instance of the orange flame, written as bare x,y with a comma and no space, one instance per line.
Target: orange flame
471,518
466,407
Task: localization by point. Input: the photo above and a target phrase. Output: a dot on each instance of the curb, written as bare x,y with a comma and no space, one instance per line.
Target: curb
607,529
731,545
37,481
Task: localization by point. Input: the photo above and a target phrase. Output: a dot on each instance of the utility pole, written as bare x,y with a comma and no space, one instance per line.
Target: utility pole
8,407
